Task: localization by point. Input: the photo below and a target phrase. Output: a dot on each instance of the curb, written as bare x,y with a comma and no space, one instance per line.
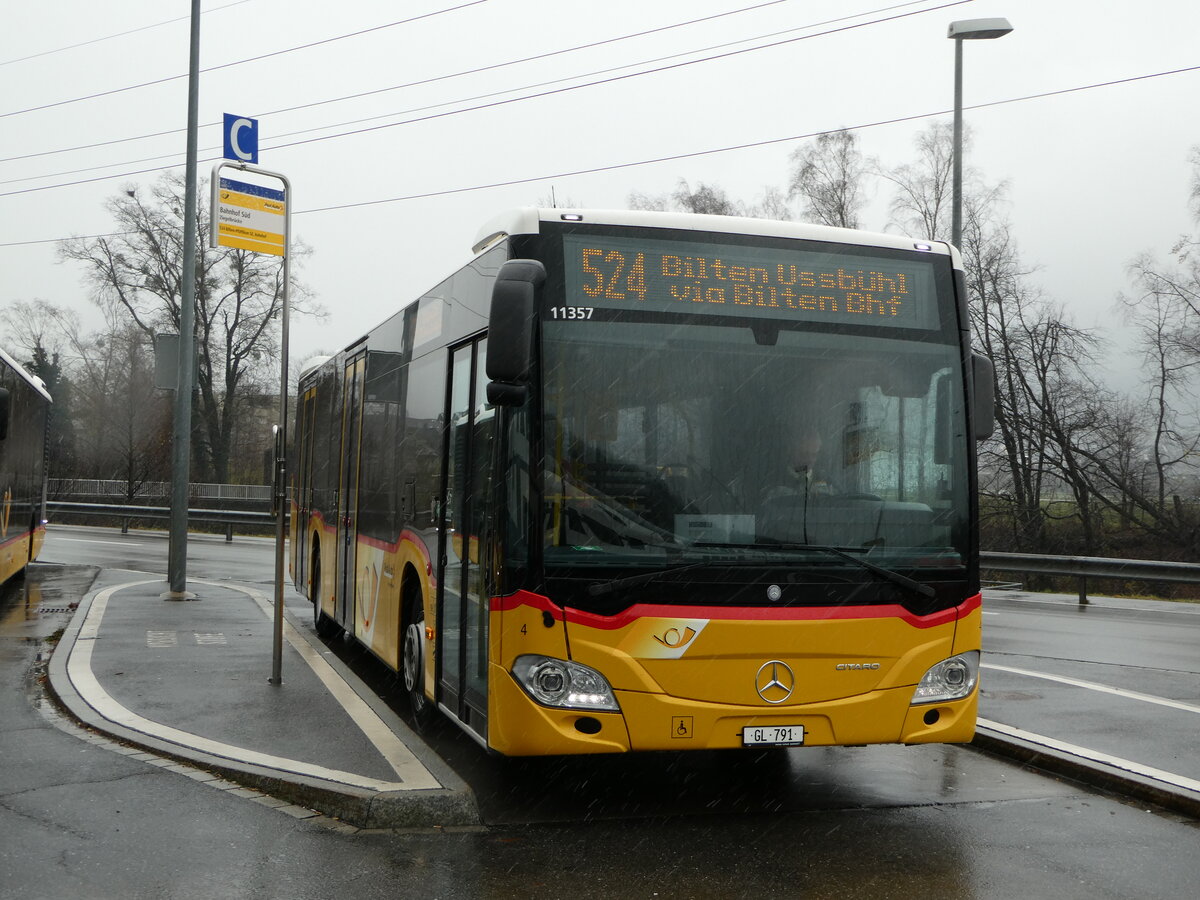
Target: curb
1094,773
451,805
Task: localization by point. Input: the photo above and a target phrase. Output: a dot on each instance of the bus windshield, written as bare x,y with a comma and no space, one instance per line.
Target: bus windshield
669,440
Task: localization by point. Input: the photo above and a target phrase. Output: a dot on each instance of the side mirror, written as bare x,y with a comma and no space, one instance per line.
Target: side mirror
984,408
510,330
3,413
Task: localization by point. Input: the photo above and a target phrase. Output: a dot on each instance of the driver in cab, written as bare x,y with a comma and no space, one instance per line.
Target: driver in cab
803,476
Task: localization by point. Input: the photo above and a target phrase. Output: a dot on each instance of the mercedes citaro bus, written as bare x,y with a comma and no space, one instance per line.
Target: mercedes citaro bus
655,481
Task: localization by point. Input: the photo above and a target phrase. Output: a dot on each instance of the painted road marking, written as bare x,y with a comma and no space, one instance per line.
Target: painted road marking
1170,778
401,759
1103,688
79,669
57,537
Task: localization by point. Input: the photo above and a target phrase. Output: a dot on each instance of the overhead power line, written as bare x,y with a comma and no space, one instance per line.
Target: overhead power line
688,155
121,34
459,74
547,93
747,145
169,78
472,99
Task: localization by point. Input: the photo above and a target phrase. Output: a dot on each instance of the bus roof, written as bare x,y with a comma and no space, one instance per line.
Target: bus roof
34,382
528,220
311,365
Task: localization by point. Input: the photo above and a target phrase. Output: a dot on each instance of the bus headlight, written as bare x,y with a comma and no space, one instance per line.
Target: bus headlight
557,682
951,679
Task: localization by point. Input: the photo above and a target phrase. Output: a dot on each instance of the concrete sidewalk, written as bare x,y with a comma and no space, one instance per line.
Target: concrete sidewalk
189,679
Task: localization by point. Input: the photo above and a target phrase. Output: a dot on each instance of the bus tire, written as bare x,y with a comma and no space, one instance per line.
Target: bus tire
412,662
325,626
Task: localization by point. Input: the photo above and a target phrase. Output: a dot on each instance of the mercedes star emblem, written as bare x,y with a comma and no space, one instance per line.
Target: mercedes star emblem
775,681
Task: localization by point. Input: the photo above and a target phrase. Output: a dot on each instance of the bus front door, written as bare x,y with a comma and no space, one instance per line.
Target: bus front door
347,520
463,596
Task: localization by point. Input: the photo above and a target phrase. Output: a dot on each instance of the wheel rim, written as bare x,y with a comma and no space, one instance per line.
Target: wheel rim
412,657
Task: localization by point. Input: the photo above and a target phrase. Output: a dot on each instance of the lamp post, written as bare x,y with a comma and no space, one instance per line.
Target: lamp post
966,30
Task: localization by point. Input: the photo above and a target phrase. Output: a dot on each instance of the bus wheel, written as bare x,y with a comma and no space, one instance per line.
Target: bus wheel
413,661
325,626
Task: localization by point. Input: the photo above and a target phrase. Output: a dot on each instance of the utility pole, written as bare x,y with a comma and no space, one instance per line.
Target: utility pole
181,443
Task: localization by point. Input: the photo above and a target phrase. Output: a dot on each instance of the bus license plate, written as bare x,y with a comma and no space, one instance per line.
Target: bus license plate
772,735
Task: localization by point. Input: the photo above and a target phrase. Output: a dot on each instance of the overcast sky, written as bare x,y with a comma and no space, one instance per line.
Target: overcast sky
1096,176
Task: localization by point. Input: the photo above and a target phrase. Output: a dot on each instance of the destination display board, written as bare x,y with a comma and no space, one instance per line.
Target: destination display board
251,217
791,284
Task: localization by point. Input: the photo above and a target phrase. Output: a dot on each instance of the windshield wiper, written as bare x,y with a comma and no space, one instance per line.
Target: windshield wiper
888,574
598,589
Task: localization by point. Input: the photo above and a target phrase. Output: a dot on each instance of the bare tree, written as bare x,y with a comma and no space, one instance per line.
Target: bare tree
827,175
772,205
106,406
921,204
638,200
1165,313
713,200
137,273
1194,198
1047,405
706,198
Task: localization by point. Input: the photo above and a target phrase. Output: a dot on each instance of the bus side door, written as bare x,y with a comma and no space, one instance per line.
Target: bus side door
463,597
347,516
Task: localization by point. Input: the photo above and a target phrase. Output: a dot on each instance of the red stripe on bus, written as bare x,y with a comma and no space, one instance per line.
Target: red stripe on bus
749,614
526,598
406,537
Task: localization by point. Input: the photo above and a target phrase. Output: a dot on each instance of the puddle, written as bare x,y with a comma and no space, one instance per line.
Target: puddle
36,606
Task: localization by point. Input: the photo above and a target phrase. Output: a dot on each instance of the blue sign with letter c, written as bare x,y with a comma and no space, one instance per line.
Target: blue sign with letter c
241,138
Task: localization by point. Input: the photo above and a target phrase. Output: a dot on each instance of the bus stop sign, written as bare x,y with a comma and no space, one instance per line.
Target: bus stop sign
241,139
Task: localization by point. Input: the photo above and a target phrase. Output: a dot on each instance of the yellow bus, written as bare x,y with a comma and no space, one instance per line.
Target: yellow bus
24,408
655,481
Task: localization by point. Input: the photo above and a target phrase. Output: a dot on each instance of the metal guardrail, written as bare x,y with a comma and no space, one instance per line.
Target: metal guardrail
94,487
1081,567
1084,567
126,512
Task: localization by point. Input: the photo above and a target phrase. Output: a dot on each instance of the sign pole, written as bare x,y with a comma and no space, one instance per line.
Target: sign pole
242,218
281,450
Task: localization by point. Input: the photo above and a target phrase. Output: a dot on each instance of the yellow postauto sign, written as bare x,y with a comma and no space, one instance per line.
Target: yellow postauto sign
251,217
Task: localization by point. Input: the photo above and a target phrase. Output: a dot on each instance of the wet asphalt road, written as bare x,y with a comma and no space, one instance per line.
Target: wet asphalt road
1120,677
82,820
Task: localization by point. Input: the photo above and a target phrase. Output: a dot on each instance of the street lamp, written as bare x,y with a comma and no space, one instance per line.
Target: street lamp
966,30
